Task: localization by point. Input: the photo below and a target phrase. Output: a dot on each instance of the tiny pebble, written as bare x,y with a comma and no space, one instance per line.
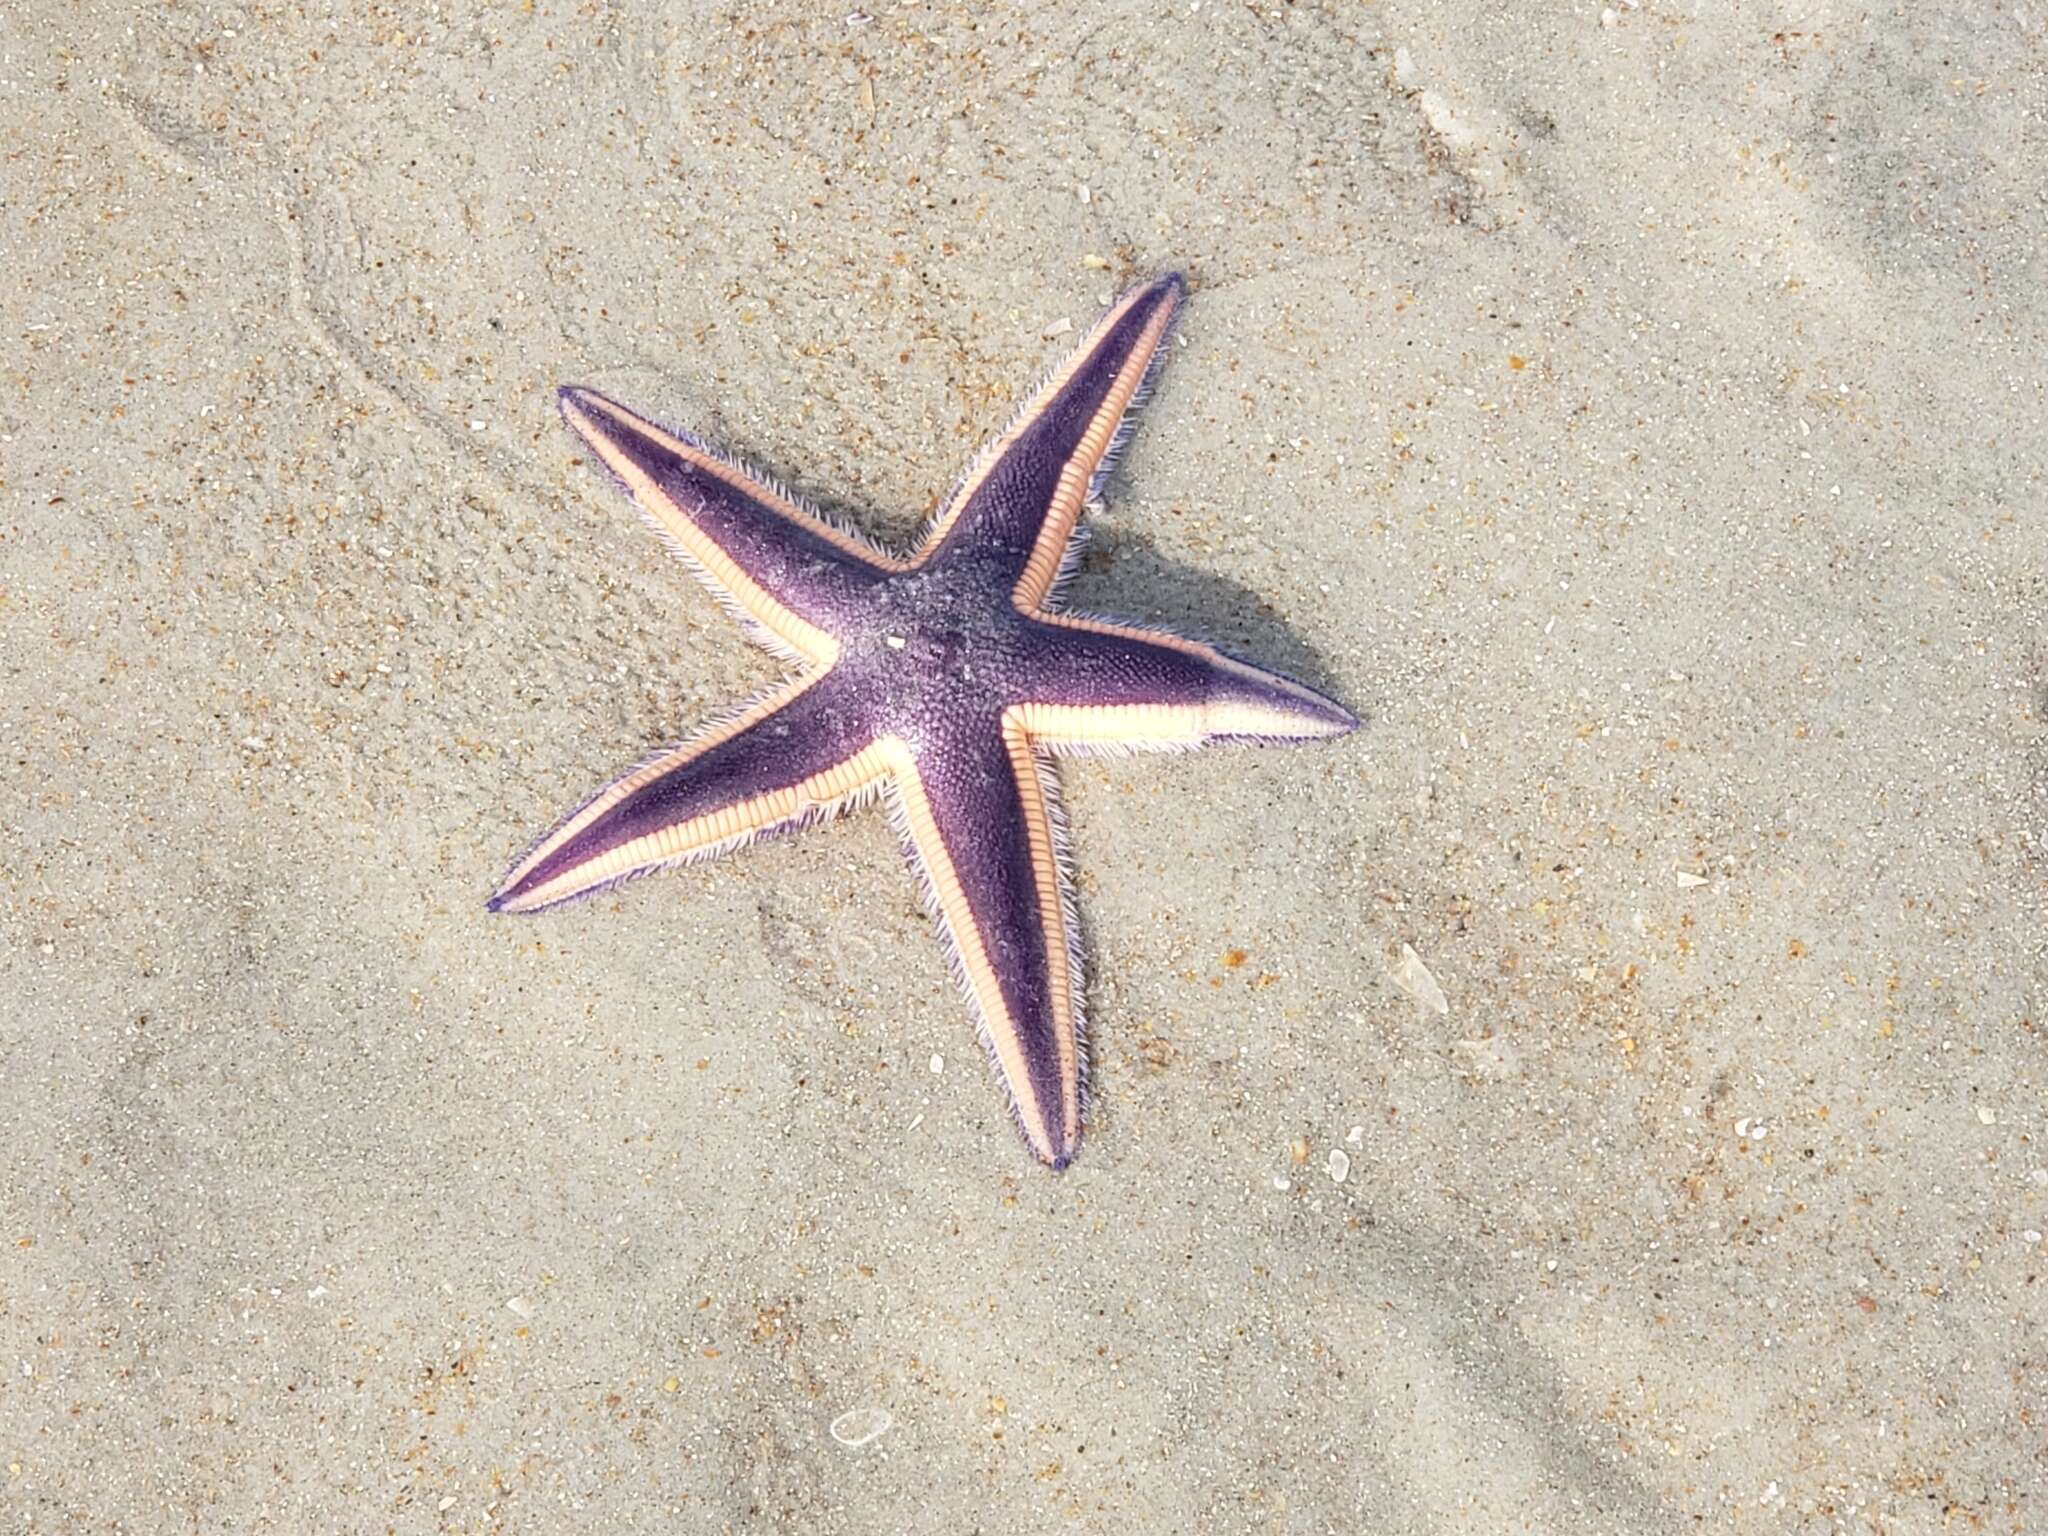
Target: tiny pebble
519,1306
1687,879
446,1504
1355,1136
857,1426
1281,1184
1340,1165
1987,1116
1298,1149
2030,1235
938,1065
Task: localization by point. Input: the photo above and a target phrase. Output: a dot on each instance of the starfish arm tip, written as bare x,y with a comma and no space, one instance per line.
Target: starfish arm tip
1251,702
1313,724
509,897
1342,722
573,403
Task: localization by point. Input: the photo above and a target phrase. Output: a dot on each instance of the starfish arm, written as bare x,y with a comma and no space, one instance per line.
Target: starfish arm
1108,687
789,574
1022,503
983,830
795,755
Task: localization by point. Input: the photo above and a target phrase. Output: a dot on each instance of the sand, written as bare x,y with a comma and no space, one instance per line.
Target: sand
1638,413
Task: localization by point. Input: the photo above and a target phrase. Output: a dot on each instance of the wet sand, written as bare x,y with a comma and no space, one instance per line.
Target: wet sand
1638,414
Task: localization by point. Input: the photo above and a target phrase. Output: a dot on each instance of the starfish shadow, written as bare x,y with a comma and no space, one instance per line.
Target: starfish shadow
1124,575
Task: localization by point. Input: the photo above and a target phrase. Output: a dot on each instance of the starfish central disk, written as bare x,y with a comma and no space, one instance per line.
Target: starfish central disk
943,682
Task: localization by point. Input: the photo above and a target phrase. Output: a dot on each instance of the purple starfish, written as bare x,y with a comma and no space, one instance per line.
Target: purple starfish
944,682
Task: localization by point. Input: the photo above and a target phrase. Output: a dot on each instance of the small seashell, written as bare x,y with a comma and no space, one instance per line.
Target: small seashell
857,1426
1413,977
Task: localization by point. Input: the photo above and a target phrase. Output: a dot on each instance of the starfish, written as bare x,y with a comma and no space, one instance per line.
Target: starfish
944,681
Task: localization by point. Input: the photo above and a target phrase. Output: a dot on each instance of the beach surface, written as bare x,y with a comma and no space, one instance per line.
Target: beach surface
1603,1095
